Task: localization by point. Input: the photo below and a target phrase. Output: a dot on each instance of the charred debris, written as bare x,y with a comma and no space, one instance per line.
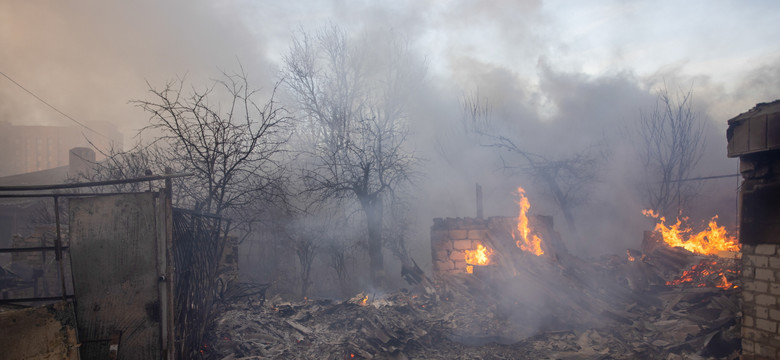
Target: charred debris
659,302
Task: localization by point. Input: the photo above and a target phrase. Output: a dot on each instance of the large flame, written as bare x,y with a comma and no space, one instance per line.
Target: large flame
709,241
481,256
527,241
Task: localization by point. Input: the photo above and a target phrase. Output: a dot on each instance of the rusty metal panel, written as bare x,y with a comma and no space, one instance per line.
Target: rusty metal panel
114,262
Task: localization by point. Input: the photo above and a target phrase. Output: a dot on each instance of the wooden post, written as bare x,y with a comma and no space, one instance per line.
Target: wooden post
479,201
170,352
58,248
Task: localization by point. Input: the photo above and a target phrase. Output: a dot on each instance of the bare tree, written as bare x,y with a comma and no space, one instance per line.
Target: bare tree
398,227
233,147
564,179
352,101
673,137
306,241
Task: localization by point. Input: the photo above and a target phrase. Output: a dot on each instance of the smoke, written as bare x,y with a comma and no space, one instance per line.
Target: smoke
556,83
89,58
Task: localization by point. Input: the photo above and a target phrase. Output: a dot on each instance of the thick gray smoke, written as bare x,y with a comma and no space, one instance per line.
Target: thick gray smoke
89,58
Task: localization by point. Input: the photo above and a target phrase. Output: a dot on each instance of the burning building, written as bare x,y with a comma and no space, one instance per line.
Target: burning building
458,245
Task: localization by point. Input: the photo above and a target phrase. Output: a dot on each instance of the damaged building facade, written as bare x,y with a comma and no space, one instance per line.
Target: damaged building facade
754,137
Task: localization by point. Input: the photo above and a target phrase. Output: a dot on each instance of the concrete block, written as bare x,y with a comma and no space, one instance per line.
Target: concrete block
477,234
770,352
774,289
457,255
766,300
441,255
757,286
766,325
762,312
774,314
751,333
766,249
459,234
748,272
463,245
748,296
444,265
441,245
774,262
747,346
748,321
759,261
765,274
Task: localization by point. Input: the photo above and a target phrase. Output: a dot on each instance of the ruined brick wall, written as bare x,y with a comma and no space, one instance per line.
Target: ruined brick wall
761,301
450,238
754,137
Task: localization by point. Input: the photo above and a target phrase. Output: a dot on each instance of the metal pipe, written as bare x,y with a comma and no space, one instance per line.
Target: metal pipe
93,183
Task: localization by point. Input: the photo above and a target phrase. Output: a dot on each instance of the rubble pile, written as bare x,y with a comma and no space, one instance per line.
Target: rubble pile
632,314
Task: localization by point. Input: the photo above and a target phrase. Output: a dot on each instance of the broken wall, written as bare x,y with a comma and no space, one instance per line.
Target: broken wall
754,137
46,332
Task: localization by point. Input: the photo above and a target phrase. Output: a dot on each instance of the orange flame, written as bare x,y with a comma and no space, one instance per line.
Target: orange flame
701,275
710,241
527,242
630,258
724,283
481,256
364,302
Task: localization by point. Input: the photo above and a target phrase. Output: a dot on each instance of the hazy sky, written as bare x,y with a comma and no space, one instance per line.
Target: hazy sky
89,58
574,71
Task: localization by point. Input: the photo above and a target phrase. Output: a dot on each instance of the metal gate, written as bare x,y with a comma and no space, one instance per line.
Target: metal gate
115,243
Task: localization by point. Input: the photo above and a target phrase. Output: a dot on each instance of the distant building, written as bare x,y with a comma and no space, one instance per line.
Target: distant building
19,215
27,149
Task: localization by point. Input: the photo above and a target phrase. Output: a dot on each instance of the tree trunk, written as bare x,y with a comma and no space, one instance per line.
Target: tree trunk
373,210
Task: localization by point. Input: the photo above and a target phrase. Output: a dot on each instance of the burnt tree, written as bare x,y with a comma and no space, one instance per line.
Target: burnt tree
230,140
672,139
351,100
565,179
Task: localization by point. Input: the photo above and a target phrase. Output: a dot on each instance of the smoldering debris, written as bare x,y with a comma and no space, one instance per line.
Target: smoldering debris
614,307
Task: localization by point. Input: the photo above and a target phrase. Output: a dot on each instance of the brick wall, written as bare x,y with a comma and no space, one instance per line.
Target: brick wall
761,301
754,137
450,238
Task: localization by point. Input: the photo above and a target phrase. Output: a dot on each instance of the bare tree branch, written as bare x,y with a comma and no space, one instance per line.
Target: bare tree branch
351,101
672,136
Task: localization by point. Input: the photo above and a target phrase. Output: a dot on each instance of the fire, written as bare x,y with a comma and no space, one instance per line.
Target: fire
710,241
481,256
724,283
706,273
364,302
527,242
630,258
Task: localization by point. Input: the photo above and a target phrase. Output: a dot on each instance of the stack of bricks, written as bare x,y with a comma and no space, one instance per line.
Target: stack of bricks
450,238
761,301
